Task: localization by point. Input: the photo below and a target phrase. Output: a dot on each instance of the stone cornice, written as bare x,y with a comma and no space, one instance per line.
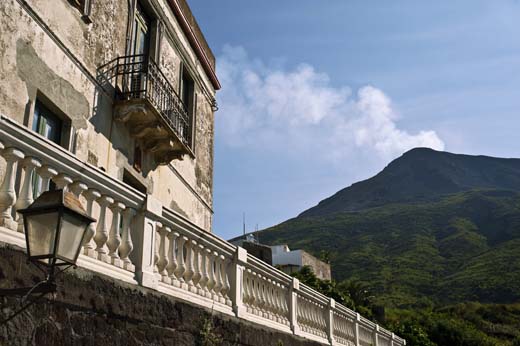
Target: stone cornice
195,43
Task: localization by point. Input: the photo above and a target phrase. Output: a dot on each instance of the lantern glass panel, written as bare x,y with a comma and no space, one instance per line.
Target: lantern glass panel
41,232
71,236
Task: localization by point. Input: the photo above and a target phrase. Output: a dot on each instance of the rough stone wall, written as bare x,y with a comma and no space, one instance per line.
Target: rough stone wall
320,268
48,51
89,309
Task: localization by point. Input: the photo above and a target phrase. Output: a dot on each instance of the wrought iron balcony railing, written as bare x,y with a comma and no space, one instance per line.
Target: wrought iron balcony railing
138,77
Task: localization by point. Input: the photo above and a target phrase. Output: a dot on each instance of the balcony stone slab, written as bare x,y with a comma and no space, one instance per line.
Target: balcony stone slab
147,125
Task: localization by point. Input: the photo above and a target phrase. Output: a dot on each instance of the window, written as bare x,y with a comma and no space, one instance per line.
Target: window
187,95
46,123
84,6
141,35
50,126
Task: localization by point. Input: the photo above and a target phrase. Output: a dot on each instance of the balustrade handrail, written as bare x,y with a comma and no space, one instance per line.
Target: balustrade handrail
179,222
312,294
346,311
271,272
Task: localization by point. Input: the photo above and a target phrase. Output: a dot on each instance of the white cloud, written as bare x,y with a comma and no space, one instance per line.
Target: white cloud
267,107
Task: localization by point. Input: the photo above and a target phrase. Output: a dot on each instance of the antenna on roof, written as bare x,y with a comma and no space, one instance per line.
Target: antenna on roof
244,222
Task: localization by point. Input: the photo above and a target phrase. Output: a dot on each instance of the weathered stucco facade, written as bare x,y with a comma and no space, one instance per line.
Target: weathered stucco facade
50,53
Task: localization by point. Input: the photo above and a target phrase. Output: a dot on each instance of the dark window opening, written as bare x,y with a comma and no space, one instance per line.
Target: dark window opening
187,93
138,158
47,123
57,129
141,33
132,181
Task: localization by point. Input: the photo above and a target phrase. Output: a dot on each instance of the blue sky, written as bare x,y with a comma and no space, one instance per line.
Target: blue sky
320,94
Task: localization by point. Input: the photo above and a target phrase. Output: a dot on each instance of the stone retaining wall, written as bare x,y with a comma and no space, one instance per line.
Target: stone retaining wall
91,309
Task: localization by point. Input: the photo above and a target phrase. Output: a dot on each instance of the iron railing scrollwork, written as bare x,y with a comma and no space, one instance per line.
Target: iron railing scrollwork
137,77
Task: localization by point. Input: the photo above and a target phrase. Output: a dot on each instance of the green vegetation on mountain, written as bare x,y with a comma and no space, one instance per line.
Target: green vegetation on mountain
436,237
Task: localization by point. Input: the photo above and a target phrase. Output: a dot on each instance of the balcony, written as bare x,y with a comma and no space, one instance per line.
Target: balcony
150,107
137,240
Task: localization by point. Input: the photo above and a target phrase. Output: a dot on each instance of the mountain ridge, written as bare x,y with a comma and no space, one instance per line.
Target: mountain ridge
415,176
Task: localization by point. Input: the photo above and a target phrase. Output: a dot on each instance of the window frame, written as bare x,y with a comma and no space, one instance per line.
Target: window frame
190,108
85,8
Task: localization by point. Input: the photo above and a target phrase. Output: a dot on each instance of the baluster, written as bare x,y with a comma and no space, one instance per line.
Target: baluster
101,236
179,271
254,291
88,243
77,188
114,238
278,302
211,281
259,294
25,198
218,284
156,245
245,288
202,264
305,314
62,181
172,257
126,242
203,282
220,273
250,291
314,318
274,301
46,173
196,263
190,269
264,295
284,302
163,258
226,286
268,298
7,191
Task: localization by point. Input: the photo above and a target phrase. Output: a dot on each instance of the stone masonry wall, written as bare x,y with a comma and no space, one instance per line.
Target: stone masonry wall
320,268
90,309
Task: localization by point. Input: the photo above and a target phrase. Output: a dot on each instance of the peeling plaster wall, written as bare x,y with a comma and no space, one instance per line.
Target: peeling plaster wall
47,51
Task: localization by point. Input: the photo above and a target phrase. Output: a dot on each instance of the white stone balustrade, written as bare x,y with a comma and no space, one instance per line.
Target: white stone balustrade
36,161
192,267
136,239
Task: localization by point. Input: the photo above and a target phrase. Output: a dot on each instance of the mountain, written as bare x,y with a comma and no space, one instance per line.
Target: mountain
421,175
433,230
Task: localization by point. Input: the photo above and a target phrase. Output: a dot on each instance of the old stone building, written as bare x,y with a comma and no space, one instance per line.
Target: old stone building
126,86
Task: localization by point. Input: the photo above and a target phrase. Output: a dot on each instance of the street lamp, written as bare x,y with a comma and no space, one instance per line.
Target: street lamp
55,224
